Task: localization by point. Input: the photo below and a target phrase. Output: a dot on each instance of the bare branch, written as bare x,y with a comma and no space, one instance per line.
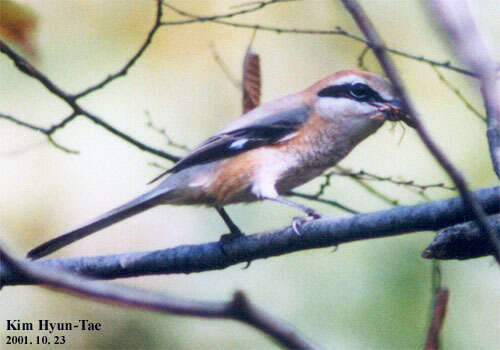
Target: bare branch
22,123
438,314
61,124
361,58
364,175
377,46
27,68
459,94
319,233
195,19
161,131
46,131
462,241
457,21
238,309
59,146
337,31
316,198
371,189
220,62
284,334
122,72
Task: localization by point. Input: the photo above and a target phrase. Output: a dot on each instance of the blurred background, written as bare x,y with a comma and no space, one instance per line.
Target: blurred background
365,295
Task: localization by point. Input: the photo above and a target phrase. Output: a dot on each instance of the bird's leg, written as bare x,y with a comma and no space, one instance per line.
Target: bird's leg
297,222
234,230
309,211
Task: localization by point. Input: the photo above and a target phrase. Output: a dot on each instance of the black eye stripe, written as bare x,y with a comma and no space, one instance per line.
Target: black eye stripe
344,90
335,91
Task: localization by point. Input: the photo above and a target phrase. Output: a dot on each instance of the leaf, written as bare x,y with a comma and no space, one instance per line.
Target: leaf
17,24
251,80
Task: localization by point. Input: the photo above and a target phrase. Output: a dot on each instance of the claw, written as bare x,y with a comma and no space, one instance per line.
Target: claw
297,222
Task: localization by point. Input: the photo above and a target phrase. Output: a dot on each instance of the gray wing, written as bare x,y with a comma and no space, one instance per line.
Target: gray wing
265,130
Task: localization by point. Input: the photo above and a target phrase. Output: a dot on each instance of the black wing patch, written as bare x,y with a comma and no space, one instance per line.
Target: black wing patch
268,131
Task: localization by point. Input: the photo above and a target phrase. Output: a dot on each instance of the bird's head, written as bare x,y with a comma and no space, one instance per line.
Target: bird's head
356,96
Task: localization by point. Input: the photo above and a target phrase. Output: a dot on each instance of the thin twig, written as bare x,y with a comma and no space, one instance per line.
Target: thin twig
377,46
22,123
361,58
436,287
459,94
337,31
225,69
59,146
195,19
24,66
325,232
27,68
438,314
161,131
122,72
464,35
62,123
238,309
315,198
371,189
46,131
364,175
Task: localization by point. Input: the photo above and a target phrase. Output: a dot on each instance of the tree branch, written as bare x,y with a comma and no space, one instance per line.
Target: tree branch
46,131
22,123
196,19
122,72
464,35
365,175
337,31
462,241
317,198
377,46
27,68
459,95
319,233
238,309
438,314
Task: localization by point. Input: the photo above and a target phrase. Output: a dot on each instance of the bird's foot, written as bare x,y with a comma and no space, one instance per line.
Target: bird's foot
297,222
228,238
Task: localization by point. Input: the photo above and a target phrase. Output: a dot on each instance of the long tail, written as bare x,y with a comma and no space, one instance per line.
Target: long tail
135,206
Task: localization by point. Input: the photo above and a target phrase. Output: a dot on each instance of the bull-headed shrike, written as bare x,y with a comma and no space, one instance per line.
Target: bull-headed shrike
266,152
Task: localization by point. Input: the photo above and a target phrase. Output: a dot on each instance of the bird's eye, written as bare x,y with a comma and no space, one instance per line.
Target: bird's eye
360,91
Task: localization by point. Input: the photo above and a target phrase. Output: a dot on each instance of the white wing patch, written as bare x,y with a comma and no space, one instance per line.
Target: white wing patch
200,182
238,144
288,137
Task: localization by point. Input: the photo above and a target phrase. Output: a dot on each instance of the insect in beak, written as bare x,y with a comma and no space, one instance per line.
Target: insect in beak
394,112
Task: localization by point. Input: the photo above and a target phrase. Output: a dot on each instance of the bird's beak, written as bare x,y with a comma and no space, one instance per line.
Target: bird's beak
396,112
396,104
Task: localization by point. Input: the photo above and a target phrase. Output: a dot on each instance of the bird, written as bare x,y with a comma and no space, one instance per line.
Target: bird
265,153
